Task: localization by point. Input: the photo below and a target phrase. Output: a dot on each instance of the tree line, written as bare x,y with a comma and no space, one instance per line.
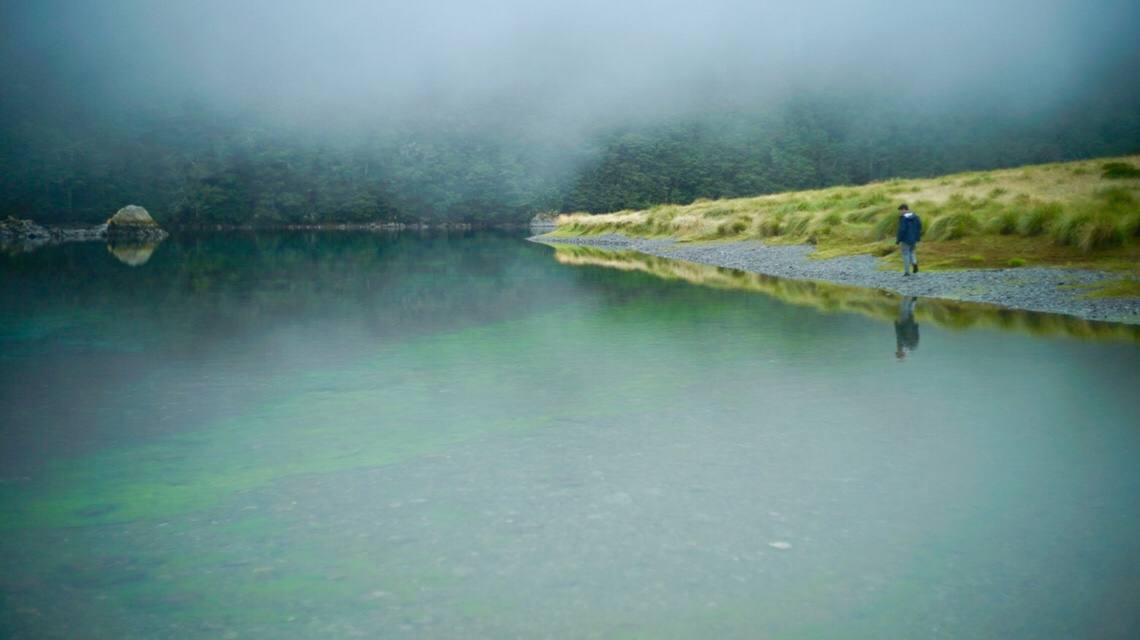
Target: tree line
191,165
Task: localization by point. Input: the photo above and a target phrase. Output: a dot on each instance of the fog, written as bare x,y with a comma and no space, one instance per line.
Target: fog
579,63
224,112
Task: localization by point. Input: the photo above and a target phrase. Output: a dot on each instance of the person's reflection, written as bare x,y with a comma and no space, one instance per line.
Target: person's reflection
906,329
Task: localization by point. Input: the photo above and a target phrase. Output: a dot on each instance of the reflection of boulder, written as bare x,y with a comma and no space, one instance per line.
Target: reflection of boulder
133,254
133,221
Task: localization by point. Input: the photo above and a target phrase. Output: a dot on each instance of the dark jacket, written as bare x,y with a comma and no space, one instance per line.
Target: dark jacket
910,228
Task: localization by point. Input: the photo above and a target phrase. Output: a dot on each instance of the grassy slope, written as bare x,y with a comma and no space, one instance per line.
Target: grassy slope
1079,214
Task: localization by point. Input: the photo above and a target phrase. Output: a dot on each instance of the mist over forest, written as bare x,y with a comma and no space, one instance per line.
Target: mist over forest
262,112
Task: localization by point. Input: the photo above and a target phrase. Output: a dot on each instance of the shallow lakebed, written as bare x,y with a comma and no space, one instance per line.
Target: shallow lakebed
468,435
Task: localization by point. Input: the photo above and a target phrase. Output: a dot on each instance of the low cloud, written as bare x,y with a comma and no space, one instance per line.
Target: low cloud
583,62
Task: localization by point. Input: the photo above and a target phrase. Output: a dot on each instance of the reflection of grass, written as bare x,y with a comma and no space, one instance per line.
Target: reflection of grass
839,298
1052,214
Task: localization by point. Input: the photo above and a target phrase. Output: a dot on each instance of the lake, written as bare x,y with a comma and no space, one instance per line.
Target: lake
468,435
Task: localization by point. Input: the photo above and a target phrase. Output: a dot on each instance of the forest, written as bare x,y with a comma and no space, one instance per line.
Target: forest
191,164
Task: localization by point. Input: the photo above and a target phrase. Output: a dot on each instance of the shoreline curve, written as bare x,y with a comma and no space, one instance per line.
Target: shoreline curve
1040,289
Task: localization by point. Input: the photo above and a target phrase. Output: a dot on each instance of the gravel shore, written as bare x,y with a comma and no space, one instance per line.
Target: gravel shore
1032,289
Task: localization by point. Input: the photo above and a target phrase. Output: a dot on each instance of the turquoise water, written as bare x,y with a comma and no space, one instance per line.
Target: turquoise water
473,436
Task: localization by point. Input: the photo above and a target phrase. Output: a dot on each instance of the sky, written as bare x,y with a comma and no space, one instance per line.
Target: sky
560,61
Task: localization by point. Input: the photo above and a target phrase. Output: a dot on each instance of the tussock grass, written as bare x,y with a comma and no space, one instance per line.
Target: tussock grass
1037,220
1006,222
1119,170
954,225
885,226
1089,231
1081,212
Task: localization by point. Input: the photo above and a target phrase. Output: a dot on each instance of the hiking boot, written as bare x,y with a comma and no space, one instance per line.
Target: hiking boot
916,267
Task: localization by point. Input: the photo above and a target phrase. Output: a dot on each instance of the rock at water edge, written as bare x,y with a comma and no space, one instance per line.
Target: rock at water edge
132,215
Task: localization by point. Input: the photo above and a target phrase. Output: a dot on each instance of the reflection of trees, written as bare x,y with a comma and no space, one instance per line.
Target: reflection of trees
204,291
211,323
834,298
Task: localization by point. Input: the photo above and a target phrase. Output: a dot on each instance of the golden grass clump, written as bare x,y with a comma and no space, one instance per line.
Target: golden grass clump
952,226
1037,221
1088,231
1006,221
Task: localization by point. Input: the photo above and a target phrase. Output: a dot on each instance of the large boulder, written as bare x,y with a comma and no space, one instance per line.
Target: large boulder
133,221
132,215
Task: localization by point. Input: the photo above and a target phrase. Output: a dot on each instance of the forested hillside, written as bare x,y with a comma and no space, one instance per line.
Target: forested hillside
63,161
821,142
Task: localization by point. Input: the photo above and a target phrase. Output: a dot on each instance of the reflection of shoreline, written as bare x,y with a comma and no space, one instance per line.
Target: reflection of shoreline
133,254
1051,290
130,249
831,298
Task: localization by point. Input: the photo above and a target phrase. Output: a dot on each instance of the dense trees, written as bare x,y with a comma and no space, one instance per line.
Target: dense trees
191,165
825,142
194,166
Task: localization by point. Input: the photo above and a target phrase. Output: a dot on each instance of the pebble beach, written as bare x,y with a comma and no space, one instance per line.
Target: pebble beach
1048,290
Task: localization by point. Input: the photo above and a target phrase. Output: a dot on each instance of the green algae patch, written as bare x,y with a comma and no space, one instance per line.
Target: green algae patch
1115,288
401,402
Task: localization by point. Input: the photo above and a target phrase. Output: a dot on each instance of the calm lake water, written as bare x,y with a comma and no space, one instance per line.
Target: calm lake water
474,436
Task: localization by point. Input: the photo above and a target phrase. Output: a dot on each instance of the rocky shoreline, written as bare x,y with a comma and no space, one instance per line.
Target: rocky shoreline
1045,290
131,224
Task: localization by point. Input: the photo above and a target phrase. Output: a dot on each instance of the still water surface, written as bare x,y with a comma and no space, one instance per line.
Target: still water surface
473,436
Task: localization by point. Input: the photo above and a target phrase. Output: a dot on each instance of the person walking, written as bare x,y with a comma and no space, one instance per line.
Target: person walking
909,233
